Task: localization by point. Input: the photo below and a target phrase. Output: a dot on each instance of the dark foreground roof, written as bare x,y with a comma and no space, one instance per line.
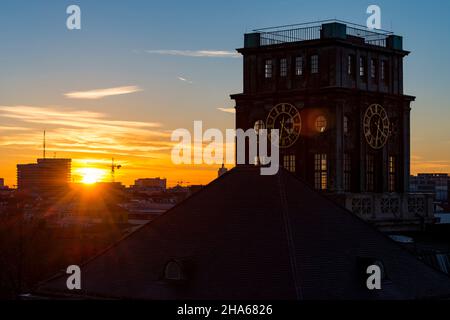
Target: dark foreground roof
248,236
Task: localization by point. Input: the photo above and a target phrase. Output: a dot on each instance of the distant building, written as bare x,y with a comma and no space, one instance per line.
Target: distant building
437,184
45,175
151,185
2,182
222,171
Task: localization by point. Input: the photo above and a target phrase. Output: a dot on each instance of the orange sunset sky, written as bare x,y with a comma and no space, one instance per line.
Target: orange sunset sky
138,70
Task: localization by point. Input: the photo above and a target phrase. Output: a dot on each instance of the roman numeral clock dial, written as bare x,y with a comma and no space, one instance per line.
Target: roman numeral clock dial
286,118
376,126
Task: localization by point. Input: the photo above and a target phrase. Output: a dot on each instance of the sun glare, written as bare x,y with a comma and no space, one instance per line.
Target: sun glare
91,175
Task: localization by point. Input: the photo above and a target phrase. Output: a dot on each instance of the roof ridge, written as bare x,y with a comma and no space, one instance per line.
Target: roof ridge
289,236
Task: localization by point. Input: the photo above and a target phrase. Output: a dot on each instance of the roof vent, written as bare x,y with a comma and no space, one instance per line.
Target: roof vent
174,271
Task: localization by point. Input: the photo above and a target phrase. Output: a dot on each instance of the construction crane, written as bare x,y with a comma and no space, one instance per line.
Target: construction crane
114,167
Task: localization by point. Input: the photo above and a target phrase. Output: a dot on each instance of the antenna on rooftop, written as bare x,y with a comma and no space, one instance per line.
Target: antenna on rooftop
44,146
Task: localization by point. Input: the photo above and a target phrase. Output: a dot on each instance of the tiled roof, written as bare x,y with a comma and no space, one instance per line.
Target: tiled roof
247,236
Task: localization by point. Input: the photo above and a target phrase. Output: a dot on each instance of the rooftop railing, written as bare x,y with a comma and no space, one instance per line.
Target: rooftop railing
313,31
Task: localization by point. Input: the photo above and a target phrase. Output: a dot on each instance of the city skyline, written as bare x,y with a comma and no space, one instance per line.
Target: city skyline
118,89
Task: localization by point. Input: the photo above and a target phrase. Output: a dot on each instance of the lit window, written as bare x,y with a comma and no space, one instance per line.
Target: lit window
289,163
283,68
362,66
392,169
321,124
299,66
347,172
268,69
370,170
314,64
346,125
373,69
321,172
259,125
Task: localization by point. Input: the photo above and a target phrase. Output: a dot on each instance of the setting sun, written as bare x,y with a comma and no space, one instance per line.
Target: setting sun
91,175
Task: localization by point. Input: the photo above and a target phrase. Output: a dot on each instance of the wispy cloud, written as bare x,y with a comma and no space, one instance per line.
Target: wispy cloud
184,80
102,93
84,132
197,53
227,110
5,128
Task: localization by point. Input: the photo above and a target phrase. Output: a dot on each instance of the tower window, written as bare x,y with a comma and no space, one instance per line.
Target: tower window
392,174
259,125
283,68
321,172
315,64
346,125
362,66
299,66
370,171
347,172
373,68
289,163
268,69
321,124
351,65
384,71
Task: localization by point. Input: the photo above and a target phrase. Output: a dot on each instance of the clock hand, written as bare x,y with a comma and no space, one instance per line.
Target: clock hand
282,129
378,131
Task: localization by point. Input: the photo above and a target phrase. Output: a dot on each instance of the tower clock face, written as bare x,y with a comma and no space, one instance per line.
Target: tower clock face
376,126
286,118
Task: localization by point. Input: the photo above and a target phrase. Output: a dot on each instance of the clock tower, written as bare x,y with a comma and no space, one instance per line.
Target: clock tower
334,91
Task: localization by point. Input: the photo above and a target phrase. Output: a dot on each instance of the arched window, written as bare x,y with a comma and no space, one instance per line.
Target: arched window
173,271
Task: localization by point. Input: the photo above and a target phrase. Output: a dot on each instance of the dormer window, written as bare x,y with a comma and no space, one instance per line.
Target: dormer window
174,271
365,262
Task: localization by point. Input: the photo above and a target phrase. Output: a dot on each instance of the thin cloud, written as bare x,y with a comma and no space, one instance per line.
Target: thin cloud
227,110
102,93
197,53
84,132
3,128
184,80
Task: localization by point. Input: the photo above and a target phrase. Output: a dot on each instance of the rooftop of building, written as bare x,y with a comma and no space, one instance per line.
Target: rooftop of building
324,29
247,236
